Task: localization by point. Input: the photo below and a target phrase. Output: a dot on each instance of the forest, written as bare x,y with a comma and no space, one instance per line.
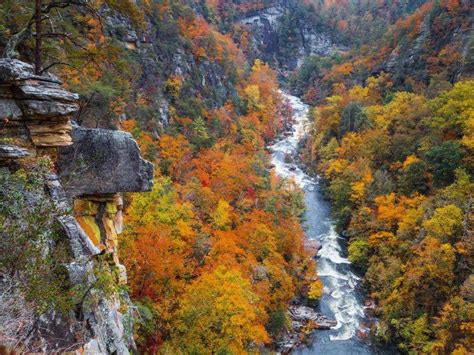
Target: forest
209,254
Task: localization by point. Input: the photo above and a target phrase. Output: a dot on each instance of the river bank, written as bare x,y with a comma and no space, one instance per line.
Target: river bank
343,299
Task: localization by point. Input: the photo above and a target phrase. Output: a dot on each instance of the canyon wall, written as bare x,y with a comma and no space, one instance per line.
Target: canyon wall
88,171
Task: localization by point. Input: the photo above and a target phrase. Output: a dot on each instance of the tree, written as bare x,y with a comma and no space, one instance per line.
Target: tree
176,155
414,179
353,119
358,253
222,215
157,249
315,290
445,223
219,313
41,14
200,136
453,327
444,160
452,110
57,13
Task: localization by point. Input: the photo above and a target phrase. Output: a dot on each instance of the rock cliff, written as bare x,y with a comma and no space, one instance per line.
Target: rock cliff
282,35
90,168
286,33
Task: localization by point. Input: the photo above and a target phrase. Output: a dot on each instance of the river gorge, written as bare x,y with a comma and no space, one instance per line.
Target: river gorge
342,299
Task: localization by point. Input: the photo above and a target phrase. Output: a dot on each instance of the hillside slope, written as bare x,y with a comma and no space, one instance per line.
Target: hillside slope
218,234
425,51
392,139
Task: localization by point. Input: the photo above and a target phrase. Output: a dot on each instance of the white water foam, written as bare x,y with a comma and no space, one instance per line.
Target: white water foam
338,285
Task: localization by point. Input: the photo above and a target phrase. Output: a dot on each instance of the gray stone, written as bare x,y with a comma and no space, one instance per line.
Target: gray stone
8,151
38,101
304,314
56,331
265,37
49,93
38,109
103,162
15,70
79,242
111,327
9,110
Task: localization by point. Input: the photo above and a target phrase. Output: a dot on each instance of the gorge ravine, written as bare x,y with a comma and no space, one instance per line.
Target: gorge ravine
342,299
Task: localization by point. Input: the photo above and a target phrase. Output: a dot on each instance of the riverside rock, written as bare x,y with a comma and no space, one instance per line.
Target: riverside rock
302,314
303,321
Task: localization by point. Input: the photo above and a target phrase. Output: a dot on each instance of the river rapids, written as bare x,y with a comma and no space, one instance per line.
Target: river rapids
342,299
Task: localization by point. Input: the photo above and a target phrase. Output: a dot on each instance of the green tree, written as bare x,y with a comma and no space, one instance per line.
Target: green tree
359,253
444,160
414,179
200,136
353,119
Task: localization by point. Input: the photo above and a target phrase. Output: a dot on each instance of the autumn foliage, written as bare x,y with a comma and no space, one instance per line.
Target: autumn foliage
400,178
216,249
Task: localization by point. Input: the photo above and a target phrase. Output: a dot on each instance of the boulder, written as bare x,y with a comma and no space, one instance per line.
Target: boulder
103,162
46,92
303,314
38,109
313,246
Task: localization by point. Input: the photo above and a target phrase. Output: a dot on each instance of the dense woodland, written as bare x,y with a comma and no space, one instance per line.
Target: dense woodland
215,253
394,145
227,247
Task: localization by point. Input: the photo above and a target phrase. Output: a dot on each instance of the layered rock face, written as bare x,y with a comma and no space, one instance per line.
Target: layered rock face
34,107
276,28
92,168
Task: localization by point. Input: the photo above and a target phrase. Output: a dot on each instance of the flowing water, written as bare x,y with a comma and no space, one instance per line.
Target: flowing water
342,299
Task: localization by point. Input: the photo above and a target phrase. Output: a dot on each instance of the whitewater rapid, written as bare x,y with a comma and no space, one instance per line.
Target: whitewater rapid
342,299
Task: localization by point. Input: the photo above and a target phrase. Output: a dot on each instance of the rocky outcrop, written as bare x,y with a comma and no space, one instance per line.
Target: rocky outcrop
93,167
303,321
8,151
410,61
285,34
34,107
103,162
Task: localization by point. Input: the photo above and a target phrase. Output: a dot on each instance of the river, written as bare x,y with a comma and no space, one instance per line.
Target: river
342,299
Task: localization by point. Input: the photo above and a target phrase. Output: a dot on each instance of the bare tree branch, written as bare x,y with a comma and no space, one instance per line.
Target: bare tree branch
68,36
45,69
10,48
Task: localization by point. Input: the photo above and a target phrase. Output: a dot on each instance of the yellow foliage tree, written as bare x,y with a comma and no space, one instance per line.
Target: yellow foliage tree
315,290
222,215
219,313
446,221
